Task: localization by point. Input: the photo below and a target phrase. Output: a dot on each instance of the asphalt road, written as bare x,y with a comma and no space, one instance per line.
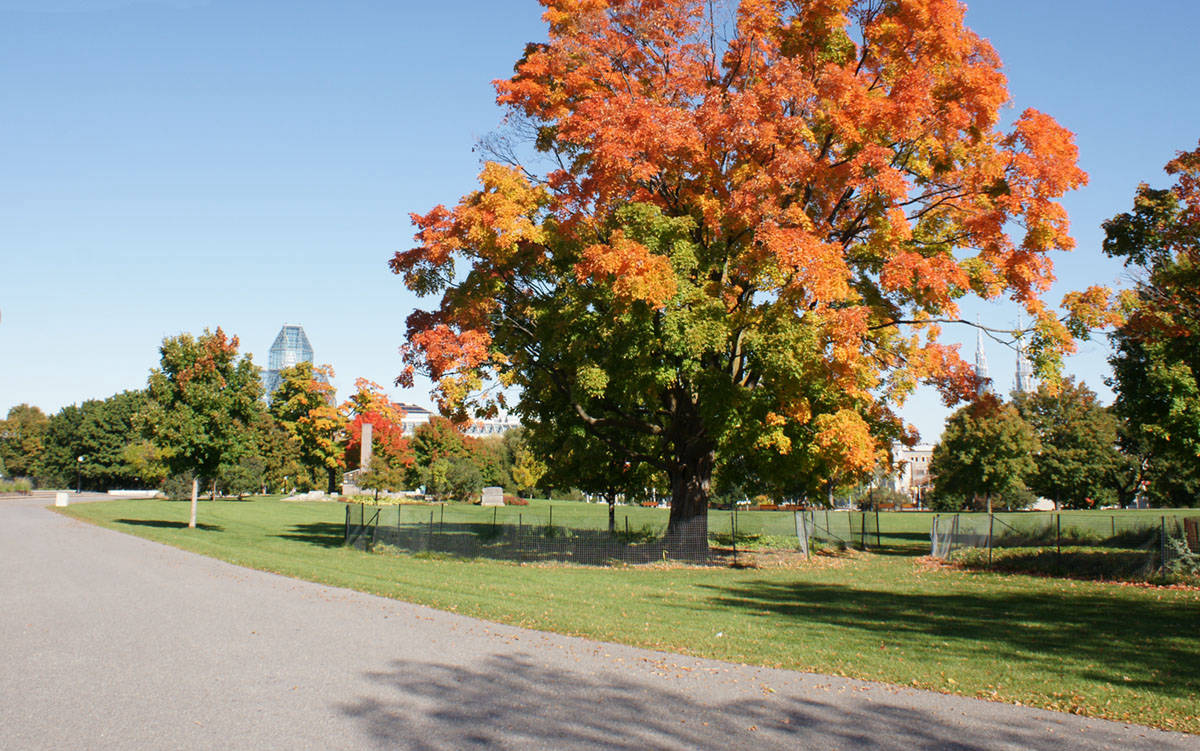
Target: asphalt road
110,641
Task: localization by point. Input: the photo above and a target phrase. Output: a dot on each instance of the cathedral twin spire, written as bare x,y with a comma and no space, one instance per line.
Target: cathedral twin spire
1024,375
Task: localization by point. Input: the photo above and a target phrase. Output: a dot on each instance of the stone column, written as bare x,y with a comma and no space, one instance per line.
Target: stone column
364,455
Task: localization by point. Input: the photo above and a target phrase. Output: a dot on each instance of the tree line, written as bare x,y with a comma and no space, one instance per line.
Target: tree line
203,419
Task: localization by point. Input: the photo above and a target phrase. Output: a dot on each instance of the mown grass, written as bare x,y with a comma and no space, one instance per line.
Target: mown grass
1125,653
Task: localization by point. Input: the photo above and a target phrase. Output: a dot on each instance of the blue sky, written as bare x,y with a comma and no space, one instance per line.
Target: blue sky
171,165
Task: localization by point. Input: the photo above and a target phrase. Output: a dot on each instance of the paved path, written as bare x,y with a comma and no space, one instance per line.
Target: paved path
110,641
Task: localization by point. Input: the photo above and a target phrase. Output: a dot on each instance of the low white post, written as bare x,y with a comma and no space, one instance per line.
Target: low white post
60,499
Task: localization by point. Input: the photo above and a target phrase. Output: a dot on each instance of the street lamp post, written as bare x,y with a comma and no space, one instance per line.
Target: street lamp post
79,476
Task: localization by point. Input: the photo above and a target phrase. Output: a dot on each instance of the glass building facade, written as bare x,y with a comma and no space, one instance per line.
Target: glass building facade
291,347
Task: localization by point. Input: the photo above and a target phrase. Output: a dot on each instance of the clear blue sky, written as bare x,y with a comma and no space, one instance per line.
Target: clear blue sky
175,164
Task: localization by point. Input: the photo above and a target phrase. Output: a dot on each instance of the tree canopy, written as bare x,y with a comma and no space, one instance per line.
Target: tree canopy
1156,360
743,227
985,454
1079,460
22,440
304,404
202,400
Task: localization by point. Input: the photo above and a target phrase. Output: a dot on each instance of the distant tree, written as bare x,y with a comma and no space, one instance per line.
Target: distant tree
107,429
383,475
59,465
244,477
304,405
145,461
370,404
492,458
1156,360
203,400
1079,459
527,468
436,445
283,465
986,453
591,467
22,440
104,433
464,481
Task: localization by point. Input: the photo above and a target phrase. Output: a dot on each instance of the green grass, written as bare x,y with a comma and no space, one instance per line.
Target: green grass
1125,653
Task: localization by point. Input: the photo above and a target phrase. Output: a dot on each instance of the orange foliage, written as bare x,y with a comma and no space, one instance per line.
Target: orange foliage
632,270
370,404
842,163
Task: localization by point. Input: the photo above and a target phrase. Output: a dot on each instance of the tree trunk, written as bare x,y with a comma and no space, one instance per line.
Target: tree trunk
332,481
612,512
691,479
690,475
195,495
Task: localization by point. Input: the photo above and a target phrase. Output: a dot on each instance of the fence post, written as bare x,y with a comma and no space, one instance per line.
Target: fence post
878,544
442,515
551,525
347,540
494,518
1162,543
933,537
802,533
733,530
431,530
991,528
1058,538
1114,524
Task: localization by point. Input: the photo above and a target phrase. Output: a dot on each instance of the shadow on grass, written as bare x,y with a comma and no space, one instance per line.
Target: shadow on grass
160,524
519,701
321,534
1093,634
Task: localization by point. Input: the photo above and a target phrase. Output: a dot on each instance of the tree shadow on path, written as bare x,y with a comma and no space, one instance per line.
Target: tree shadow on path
511,702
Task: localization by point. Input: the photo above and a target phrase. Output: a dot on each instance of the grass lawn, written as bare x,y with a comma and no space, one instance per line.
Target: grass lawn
1125,653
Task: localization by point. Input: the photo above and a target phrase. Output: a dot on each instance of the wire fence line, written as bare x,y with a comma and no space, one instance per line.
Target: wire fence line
533,535
1092,546
425,529
1106,546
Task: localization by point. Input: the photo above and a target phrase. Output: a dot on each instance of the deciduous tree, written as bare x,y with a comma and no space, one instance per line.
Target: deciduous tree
1156,363
370,404
22,440
305,406
986,453
203,398
1078,461
748,232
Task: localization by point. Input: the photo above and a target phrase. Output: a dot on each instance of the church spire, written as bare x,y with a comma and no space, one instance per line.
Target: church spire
1024,380
981,366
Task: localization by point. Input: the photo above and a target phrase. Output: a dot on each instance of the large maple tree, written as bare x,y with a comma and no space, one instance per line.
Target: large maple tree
742,227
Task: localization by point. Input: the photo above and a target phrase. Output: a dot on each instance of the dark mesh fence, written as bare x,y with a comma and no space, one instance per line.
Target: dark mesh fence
1096,545
851,529
425,529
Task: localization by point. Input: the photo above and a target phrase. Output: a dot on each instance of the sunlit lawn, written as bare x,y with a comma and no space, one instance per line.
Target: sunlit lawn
1127,653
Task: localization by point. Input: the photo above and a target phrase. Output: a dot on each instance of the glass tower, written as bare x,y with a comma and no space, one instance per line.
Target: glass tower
291,347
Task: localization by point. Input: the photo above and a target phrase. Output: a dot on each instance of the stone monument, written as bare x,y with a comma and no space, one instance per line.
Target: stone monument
364,452
493,496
